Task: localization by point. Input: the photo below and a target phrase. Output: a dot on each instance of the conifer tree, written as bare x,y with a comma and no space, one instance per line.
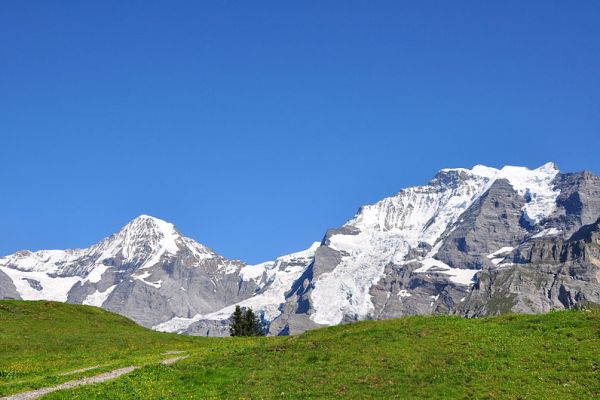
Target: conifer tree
237,322
252,324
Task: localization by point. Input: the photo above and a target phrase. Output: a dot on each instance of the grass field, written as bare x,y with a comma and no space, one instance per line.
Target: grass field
555,355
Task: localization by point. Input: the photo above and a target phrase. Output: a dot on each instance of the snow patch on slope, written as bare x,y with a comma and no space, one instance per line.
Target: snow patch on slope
96,273
54,288
256,272
500,251
536,187
547,232
98,298
457,275
497,256
145,274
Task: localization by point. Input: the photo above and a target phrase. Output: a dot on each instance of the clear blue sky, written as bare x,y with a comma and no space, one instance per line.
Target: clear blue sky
256,125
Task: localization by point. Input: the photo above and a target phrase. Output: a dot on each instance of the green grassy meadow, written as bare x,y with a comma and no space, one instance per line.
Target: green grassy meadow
441,357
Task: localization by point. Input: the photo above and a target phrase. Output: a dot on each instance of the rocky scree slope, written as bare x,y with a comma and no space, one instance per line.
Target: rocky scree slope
472,242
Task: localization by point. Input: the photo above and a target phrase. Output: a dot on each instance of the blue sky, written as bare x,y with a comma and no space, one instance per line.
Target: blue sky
255,126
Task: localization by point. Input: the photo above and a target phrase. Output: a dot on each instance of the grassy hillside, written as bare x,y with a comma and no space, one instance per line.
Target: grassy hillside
40,340
508,357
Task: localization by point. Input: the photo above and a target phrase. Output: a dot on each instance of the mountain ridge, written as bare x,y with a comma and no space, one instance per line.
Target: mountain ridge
423,250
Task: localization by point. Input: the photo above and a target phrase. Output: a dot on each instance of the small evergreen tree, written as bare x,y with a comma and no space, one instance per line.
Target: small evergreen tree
237,322
252,324
244,322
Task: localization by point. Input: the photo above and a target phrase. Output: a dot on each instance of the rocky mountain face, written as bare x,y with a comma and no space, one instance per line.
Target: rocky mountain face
472,242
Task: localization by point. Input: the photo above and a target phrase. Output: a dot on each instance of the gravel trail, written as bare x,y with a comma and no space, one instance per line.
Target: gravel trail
172,360
34,394
79,370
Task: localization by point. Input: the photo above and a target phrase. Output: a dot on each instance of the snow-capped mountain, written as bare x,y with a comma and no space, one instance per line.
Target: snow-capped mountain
427,249
141,244
147,271
471,242
414,218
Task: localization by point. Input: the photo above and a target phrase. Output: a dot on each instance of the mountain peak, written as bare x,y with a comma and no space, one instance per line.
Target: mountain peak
146,226
142,238
549,168
149,221
147,217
